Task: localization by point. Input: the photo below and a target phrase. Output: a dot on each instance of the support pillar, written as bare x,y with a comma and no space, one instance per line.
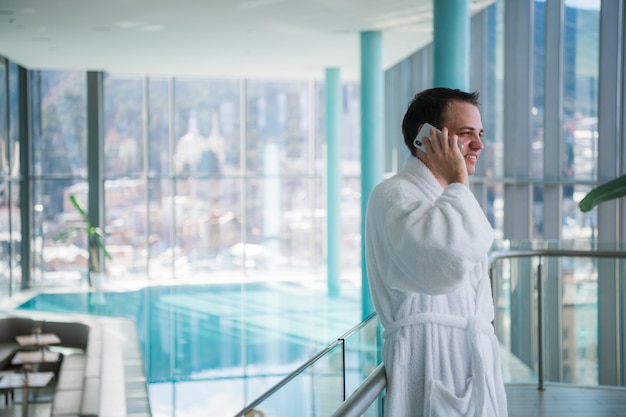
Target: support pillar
372,149
332,107
451,48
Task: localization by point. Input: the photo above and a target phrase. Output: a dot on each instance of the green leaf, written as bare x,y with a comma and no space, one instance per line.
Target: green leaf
82,211
613,189
95,233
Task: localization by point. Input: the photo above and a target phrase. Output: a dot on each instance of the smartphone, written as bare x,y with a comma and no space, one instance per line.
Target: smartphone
424,131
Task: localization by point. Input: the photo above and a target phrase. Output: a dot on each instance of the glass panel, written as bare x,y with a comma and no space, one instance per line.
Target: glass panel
515,313
351,227
124,150
351,132
159,147
537,117
61,258
362,353
59,154
579,226
580,105
15,236
61,146
316,392
578,315
277,127
10,227
5,238
538,61
159,234
579,321
296,227
11,160
125,225
492,106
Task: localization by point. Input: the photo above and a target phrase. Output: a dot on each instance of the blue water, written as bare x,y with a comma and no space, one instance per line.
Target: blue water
214,333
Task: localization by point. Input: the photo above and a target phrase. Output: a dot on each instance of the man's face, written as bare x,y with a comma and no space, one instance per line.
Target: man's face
463,119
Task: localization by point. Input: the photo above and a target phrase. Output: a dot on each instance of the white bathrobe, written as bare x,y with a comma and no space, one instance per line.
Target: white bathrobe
427,250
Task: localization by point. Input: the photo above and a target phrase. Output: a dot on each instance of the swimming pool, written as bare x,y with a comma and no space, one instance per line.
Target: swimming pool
211,349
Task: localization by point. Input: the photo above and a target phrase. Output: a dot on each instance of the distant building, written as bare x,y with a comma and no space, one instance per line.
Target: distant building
196,154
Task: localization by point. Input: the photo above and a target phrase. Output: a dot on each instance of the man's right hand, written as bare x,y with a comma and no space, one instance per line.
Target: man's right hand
445,159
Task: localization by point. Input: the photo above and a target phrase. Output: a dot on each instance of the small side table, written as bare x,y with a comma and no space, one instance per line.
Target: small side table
25,381
38,340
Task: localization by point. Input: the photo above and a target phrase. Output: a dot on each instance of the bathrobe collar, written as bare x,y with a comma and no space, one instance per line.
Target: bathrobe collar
421,174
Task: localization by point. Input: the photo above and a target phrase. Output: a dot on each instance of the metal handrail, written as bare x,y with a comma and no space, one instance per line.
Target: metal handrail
340,341
568,253
365,395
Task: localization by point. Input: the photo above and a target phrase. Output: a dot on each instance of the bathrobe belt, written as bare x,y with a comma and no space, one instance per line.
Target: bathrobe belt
473,325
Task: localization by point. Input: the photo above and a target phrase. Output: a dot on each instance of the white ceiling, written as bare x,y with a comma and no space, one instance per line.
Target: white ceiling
212,38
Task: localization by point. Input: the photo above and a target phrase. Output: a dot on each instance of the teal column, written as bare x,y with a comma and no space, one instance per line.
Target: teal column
372,149
332,119
451,44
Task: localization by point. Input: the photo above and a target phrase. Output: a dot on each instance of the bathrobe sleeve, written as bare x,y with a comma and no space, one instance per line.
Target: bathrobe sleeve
431,246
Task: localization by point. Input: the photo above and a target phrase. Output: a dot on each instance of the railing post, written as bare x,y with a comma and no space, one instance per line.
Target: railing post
343,367
540,327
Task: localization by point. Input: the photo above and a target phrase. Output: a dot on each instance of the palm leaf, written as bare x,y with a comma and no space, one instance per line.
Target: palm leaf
615,188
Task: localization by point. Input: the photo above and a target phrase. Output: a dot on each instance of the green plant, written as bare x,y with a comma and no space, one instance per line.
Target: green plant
615,188
95,234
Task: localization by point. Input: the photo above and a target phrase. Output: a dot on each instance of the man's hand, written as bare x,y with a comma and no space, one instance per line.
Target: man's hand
445,157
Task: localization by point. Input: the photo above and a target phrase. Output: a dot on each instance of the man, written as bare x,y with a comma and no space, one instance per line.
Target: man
427,241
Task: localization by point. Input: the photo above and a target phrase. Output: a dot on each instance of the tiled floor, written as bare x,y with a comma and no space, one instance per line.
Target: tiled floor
565,400
524,401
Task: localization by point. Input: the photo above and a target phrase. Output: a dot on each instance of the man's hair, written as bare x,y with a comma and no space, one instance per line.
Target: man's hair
429,106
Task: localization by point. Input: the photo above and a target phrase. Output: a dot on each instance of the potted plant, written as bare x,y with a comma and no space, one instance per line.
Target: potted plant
96,242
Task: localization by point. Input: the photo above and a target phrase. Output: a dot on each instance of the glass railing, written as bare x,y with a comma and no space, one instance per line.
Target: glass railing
321,385
548,320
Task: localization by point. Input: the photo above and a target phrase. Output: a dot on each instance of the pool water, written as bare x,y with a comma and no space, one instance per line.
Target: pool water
212,349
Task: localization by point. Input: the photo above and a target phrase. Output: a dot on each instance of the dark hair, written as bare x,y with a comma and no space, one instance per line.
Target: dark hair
430,106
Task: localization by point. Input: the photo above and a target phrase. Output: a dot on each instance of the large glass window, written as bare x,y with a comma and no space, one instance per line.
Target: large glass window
580,113
491,93
580,145
186,189
580,51
59,169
